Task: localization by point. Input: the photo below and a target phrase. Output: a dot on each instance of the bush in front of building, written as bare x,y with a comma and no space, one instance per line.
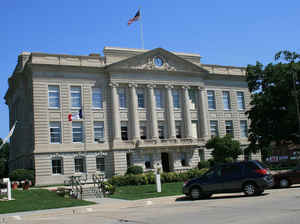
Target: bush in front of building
135,170
149,178
22,175
203,164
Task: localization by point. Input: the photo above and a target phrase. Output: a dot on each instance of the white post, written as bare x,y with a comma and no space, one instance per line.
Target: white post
158,182
7,181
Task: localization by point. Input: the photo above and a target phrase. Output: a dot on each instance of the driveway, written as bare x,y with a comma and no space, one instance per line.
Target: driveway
275,206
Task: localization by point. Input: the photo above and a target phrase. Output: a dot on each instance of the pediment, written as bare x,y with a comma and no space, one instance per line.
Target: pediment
146,62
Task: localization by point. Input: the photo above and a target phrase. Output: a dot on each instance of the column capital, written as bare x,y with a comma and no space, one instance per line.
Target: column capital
131,85
185,87
113,84
169,86
201,88
151,86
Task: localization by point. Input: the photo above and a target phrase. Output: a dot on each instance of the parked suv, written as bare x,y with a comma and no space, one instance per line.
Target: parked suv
250,177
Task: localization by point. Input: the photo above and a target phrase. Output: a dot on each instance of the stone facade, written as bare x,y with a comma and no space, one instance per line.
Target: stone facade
139,107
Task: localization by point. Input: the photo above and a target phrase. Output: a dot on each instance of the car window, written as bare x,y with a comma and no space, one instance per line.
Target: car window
234,170
213,173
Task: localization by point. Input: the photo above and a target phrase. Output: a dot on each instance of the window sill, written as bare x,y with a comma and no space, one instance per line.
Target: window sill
54,108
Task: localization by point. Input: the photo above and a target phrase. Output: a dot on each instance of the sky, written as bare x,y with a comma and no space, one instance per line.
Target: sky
228,32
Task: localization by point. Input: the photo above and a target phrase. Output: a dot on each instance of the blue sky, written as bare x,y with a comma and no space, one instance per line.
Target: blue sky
223,32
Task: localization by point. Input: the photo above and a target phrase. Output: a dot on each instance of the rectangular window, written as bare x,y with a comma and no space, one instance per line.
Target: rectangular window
79,165
124,130
143,130
141,98
178,129
53,96
211,100
192,98
184,159
99,131
129,159
148,161
57,166
77,131
243,129
76,96
100,164
122,97
195,129
161,130
226,100
55,132
229,128
97,97
214,128
159,98
240,101
176,98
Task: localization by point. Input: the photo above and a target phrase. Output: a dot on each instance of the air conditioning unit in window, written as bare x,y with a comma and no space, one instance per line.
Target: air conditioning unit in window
100,140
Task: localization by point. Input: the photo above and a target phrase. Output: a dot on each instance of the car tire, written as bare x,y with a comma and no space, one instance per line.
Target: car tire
195,193
250,189
283,183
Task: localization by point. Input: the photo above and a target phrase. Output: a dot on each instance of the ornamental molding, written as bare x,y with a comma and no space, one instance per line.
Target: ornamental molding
150,65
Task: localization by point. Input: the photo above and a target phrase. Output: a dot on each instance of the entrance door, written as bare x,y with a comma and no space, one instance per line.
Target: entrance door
165,162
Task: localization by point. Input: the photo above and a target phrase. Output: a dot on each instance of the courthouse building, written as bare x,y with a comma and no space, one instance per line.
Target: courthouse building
139,107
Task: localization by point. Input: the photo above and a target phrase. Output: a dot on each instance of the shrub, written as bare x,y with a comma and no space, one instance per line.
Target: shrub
149,178
135,170
108,188
229,160
203,164
22,174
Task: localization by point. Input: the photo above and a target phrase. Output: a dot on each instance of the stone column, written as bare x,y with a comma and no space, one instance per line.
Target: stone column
152,111
202,106
115,112
187,113
134,113
170,110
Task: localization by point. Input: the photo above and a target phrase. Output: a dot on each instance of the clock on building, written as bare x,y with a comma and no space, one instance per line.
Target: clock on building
158,61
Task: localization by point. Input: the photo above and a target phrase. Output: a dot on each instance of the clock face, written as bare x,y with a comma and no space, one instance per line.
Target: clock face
158,61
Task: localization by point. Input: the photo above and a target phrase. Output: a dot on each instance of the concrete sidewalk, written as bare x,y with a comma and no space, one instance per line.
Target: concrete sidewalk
103,204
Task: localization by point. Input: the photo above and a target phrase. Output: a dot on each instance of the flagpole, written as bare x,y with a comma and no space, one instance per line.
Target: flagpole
141,30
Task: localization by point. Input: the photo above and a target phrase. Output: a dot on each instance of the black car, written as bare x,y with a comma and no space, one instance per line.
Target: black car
250,177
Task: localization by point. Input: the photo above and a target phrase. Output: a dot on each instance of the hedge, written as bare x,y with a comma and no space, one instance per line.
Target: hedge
21,175
149,178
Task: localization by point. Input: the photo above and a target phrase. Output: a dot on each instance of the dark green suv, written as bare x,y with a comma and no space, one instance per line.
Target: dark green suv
250,177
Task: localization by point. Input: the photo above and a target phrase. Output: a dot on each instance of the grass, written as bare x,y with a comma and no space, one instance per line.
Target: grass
38,199
147,191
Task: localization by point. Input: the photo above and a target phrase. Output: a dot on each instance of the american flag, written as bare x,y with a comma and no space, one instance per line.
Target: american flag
135,18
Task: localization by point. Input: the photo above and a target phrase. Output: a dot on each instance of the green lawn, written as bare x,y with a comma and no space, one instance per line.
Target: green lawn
147,191
37,200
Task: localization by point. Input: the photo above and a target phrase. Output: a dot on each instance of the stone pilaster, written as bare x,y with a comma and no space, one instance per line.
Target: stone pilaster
170,110
115,112
202,108
187,113
134,114
152,111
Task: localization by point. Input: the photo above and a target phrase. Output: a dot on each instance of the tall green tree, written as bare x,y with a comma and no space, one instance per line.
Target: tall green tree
224,148
4,153
275,93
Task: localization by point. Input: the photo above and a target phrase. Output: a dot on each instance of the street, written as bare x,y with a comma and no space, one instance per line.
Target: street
275,206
